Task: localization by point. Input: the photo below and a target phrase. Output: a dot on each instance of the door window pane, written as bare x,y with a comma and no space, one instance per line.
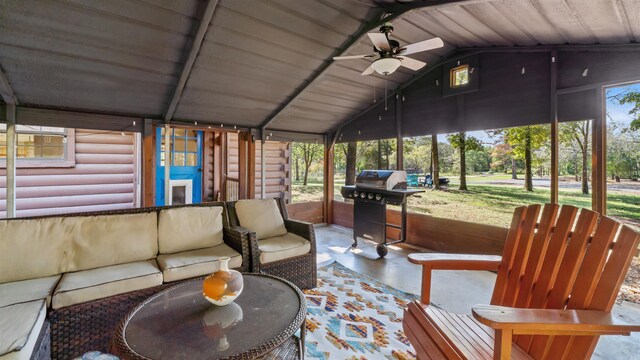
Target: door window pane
192,159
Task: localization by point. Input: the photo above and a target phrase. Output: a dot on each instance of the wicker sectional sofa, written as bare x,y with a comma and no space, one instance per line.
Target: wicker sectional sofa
66,281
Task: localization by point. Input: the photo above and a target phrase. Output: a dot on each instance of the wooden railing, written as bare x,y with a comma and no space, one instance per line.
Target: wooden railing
231,189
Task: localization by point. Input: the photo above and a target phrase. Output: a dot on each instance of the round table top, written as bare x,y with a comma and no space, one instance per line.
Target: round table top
179,323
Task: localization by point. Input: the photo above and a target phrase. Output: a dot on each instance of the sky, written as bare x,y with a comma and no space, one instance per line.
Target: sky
619,113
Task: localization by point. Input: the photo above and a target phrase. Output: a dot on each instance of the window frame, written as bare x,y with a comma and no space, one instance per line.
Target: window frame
452,76
68,161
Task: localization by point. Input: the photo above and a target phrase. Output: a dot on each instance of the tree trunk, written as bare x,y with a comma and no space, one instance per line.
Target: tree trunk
435,176
379,155
514,170
352,150
528,176
585,169
306,173
297,169
463,162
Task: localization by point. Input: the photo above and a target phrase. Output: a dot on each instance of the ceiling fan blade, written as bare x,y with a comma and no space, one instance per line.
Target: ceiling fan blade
412,64
351,57
368,71
430,44
380,41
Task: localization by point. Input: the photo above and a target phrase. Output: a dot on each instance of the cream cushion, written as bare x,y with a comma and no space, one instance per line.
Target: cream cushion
32,249
282,247
28,290
20,325
98,241
82,286
38,248
189,264
189,228
261,216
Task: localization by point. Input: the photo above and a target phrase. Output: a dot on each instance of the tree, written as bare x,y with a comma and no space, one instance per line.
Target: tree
632,97
524,140
351,153
435,165
462,143
577,133
307,153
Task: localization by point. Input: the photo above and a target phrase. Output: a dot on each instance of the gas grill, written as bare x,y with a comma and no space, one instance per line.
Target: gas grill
375,189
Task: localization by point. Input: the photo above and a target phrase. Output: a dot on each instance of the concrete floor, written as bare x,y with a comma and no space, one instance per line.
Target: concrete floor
455,291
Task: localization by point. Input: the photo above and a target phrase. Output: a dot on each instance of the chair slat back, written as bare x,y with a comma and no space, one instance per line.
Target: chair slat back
555,265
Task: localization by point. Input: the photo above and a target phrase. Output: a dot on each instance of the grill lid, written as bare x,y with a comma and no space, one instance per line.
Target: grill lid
382,179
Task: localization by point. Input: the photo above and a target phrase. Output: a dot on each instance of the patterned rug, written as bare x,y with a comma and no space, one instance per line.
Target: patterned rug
355,317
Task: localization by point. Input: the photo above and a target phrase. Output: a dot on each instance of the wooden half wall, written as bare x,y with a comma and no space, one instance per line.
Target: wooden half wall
312,212
438,234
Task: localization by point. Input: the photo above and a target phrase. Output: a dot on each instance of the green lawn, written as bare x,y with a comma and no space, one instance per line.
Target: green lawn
488,204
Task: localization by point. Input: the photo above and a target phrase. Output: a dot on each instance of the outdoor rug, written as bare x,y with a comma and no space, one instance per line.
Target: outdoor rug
353,316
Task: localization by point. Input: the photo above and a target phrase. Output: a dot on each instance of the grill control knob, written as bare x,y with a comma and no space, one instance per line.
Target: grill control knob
370,196
355,193
363,195
378,197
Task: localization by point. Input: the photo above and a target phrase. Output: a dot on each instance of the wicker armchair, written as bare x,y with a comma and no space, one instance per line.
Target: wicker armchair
300,270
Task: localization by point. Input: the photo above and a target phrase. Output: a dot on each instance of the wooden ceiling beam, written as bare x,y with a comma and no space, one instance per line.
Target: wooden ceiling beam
193,54
386,14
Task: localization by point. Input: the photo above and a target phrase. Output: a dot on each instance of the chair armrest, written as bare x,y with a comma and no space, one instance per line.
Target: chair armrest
243,241
303,229
435,261
552,322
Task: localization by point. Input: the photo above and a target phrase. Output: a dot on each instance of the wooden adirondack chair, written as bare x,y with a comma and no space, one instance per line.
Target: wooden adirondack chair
557,283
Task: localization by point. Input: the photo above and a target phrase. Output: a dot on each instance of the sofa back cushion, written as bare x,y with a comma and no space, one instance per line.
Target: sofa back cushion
189,228
32,248
44,247
105,240
261,216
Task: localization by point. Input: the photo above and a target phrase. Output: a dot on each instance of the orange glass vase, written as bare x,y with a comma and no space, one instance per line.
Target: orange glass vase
223,286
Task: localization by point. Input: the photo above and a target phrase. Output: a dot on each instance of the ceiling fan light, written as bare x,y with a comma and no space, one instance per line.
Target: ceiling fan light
386,66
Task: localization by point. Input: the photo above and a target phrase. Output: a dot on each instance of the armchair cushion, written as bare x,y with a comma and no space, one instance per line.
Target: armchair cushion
20,325
189,228
82,286
282,247
28,290
195,263
261,216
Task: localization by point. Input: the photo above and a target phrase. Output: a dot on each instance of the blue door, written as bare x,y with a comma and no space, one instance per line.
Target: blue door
186,167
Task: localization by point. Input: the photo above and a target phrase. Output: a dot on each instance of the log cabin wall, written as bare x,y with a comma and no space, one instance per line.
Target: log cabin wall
103,177
277,159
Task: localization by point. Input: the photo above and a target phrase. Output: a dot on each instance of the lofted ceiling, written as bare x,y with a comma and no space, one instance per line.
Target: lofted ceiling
262,63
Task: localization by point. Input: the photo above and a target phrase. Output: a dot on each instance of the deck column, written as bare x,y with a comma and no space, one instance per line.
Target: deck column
11,160
328,180
553,119
167,164
598,153
399,140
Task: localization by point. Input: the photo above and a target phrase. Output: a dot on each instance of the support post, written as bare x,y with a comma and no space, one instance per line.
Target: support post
11,160
263,168
167,164
148,161
328,180
251,167
399,141
242,165
598,155
553,119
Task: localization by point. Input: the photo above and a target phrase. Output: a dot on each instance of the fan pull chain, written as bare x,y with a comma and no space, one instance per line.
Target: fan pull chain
385,93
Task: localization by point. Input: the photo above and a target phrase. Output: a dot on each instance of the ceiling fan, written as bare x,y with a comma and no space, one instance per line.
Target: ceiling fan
390,56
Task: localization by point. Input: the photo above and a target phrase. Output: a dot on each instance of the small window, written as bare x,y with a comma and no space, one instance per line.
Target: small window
459,76
35,142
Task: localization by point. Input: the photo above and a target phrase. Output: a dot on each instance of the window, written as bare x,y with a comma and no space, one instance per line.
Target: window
35,142
184,151
459,76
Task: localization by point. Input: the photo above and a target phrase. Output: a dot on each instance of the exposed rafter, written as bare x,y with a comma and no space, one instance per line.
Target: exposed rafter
193,54
6,92
386,14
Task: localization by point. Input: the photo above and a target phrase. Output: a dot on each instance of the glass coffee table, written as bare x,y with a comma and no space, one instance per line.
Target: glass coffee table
178,323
